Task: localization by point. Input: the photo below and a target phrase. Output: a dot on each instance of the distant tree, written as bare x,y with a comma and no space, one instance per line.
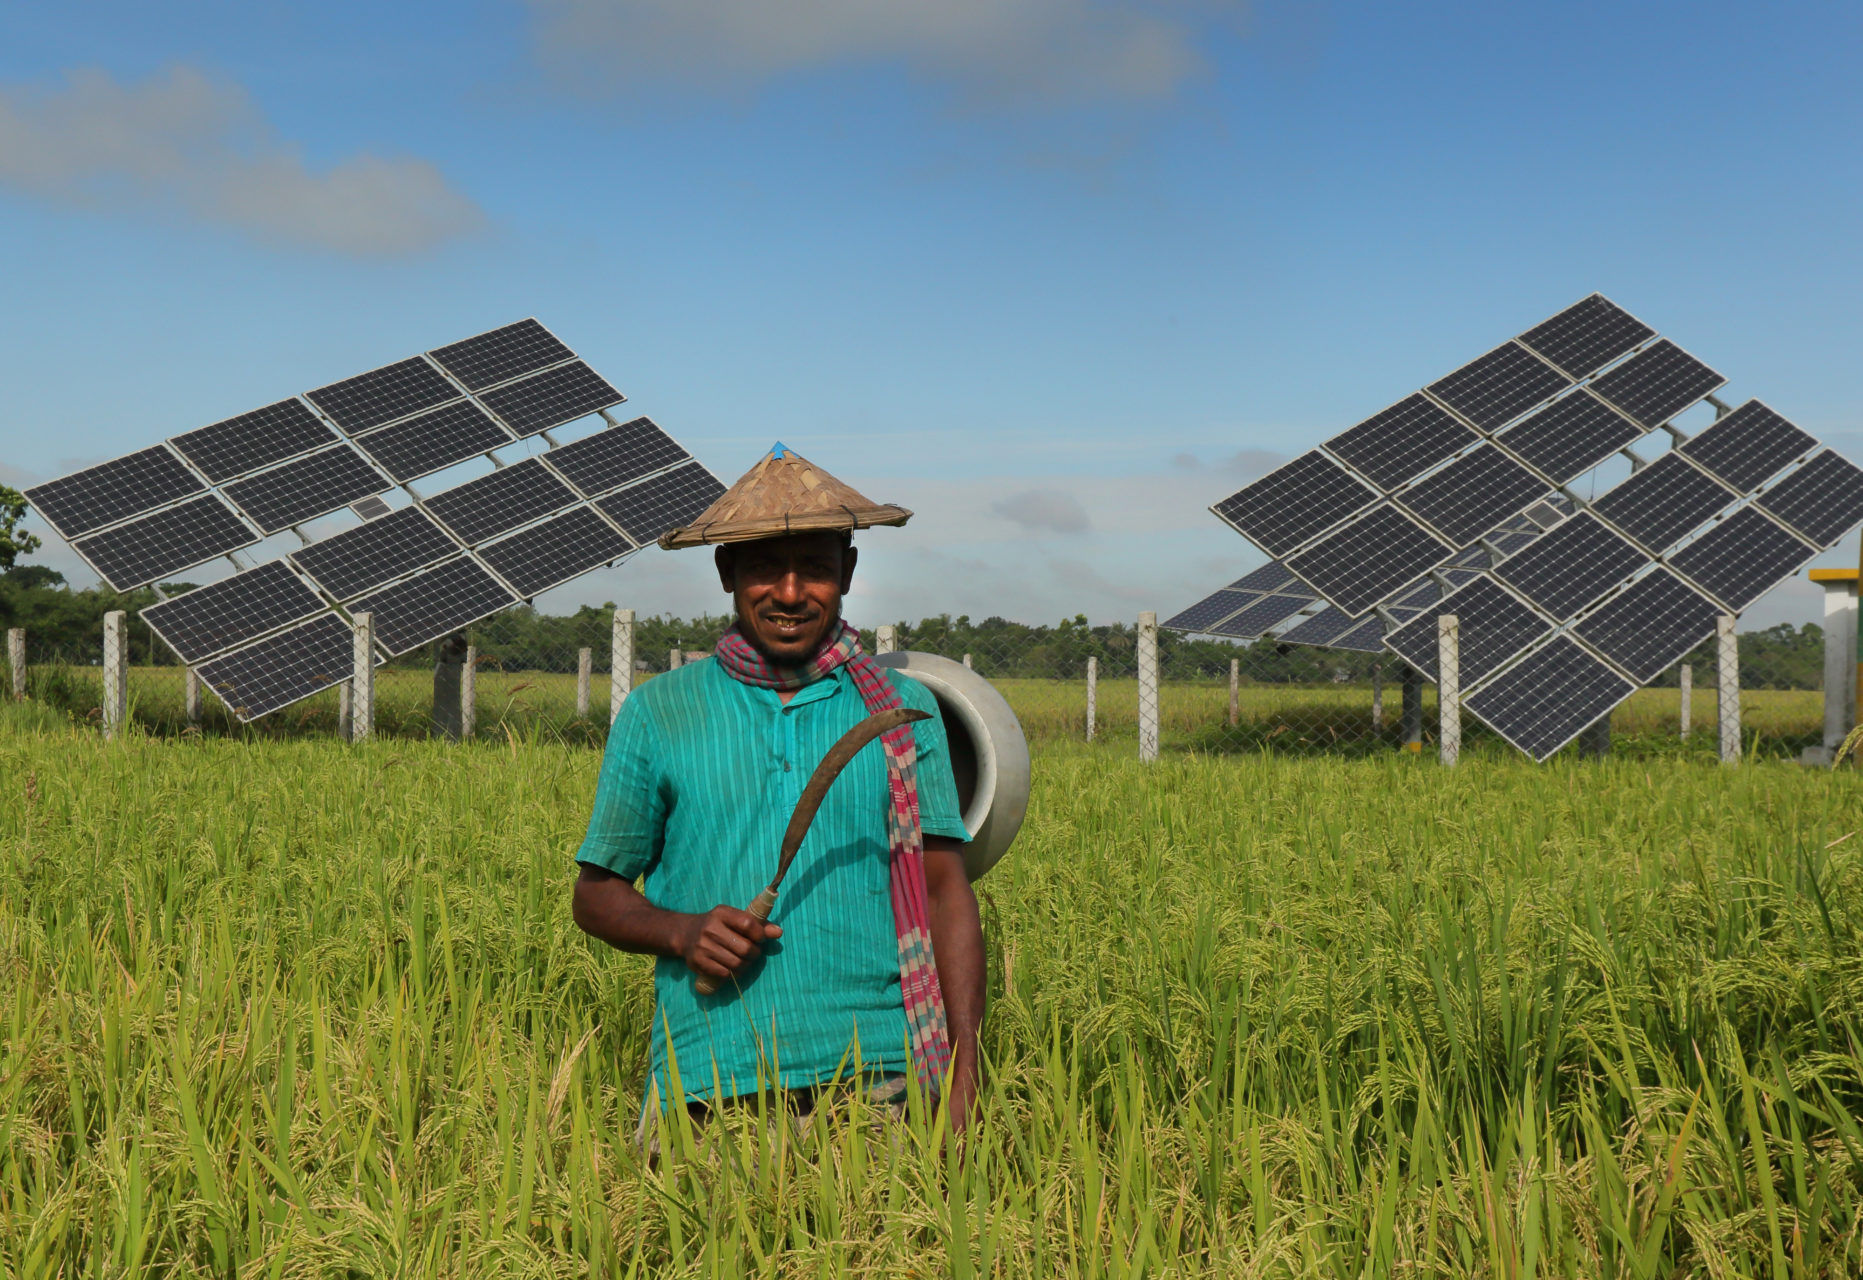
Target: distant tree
13,543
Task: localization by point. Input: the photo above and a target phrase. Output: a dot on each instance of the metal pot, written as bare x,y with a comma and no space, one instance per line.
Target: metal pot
989,755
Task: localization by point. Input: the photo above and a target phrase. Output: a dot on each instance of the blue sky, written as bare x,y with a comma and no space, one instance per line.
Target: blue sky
1055,274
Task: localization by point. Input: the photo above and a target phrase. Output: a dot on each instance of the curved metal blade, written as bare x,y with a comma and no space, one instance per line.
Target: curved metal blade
828,770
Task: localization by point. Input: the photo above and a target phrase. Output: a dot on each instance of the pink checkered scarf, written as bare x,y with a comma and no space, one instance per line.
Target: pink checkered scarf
918,971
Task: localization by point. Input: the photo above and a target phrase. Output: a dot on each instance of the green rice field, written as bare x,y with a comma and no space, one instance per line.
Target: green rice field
278,1006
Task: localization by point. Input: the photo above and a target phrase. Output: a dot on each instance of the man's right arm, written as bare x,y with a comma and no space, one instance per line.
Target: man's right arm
717,943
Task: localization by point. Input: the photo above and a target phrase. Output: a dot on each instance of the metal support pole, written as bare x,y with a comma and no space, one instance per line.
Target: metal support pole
362,679
1235,692
1595,740
1377,697
1413,709
585,665
469,693
115,672
1840,665
674,658
191,694
1728,647
1148,685
1449,687
448,720
620,662
1685,681
16,661
1093,696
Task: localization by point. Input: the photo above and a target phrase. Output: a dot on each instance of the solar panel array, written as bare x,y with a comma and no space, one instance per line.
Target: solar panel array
1566,606
272,634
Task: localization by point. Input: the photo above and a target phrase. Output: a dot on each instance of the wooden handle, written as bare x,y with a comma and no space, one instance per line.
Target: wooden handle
759,910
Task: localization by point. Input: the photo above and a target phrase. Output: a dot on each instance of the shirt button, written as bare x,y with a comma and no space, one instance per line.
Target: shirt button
785,766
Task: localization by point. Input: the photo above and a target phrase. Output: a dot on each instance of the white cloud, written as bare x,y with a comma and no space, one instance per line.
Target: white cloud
185,141
1044,511
1028,51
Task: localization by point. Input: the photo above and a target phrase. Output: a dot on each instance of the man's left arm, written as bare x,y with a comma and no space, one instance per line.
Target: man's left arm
957,949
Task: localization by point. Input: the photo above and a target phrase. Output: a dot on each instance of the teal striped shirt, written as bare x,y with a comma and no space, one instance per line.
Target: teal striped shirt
700,777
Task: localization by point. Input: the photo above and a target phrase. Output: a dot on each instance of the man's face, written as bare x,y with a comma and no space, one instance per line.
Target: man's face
787,591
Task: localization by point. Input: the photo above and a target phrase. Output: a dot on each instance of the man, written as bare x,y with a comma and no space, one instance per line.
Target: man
703,769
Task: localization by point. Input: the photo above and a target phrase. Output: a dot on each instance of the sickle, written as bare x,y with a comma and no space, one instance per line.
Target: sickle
810,803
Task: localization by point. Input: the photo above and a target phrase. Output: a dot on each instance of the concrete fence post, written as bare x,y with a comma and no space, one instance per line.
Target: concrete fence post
1449,687
469,693
1377,697
115,672
1685,684
1840,663
967,660
620,662
1235,692
191,694
1148,685
674,658
1093,695
345,711
1727,647
16,661
885,638
585,666
362,679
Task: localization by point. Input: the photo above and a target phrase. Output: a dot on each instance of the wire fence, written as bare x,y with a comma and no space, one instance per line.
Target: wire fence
1127,688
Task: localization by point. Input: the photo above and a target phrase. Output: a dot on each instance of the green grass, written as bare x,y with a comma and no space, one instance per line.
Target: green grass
291,1009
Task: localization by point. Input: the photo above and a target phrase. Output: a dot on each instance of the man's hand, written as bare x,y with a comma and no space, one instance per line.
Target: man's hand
723,940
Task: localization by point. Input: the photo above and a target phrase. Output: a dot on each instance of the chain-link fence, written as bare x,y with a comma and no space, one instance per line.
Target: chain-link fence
541,677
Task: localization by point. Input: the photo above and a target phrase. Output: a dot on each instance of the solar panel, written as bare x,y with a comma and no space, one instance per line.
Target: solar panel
1822,499
1367,560
500,502
1663,502
433,440
1466,498
1588,335
1570,436
1272,576
164,542
551,398
1657,383
1748,446
1213,608
1649,626
555,551
1741,558
1290,504
292,665
296,491
611,458
1494,389
351,562
1549,697
1259,617
256,439
1571,566
370,508
1405,440
85,500
382,395
1493,625
650,508
216,617
501,355
432,604
1332,629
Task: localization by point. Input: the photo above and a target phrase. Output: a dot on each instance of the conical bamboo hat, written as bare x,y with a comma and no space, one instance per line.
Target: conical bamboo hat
784,493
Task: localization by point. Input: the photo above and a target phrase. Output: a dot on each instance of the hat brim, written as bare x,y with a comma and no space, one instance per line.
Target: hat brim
720,531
